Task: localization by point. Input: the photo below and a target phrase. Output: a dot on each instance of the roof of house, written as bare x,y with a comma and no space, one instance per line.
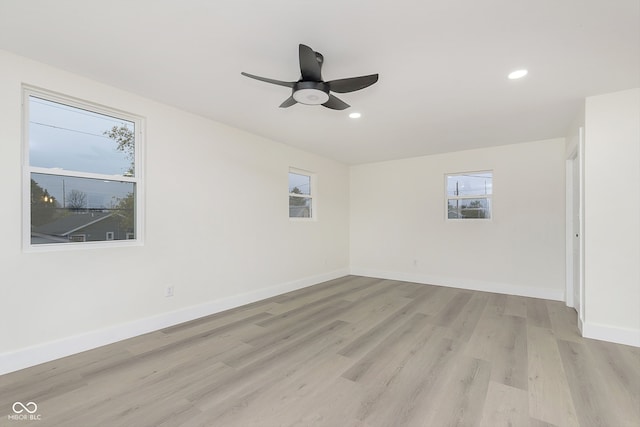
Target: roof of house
71,223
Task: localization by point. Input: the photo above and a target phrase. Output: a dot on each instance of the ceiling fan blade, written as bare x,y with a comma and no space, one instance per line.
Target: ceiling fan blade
352,84
335,104
264,79
288,102
309,64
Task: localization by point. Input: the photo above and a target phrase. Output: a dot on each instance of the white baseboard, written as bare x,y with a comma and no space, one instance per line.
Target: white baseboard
41,353
609,333
475,285
35,355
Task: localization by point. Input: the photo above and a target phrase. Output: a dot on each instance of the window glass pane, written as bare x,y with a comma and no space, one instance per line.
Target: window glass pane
472,184
468,208
70,138
299,207
68,209
453,209
299,184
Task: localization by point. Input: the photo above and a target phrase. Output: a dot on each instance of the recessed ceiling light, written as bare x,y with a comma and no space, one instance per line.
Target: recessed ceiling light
355,115
518,74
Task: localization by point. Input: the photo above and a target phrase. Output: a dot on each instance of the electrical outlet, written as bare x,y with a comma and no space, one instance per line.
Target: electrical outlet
169,291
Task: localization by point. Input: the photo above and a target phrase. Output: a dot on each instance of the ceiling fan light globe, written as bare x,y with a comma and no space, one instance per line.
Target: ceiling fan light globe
310,96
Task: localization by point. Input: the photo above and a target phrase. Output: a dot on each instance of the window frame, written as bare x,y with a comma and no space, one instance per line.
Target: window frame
27,170
311,196
488,197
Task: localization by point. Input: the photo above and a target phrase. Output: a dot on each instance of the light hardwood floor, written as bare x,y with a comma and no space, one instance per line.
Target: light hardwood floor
354,351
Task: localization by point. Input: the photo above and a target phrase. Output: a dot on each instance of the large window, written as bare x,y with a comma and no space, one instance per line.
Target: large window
301,203
82,172
469,195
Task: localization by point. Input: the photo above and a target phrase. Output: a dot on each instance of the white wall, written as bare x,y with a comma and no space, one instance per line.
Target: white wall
398,227
217,229
384,219
612,217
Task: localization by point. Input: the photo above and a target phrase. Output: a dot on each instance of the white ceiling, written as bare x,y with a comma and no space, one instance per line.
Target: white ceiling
442,64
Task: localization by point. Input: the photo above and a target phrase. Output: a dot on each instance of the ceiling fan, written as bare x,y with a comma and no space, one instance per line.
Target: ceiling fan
311,89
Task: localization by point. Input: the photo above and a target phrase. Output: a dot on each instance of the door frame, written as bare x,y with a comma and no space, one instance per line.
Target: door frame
575,158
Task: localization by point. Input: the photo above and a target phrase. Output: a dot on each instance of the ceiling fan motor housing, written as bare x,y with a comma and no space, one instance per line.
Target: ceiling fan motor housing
311,93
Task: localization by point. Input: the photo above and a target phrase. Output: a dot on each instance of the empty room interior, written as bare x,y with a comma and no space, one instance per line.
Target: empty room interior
346,213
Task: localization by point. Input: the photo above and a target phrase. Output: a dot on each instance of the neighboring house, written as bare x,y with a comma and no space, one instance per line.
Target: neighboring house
82,227
299,212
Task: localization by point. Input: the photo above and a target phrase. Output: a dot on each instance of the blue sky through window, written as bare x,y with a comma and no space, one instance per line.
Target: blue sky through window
69,138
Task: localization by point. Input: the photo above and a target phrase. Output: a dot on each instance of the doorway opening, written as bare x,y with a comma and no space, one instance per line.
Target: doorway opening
575,229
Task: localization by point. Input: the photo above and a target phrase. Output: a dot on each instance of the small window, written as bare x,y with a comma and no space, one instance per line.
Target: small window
81,172
301,203
469,195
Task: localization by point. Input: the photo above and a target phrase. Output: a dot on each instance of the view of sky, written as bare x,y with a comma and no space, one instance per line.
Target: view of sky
471,184
65,137
301,182
73,139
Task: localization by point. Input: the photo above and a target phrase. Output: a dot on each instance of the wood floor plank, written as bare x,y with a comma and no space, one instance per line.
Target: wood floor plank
306,311
505,406
213,321
355,351
125,389
549,394
391,394
263,365
537,313
431,299
497,303
373,290
534,422
402,341
271,342
597,402
317,293
285,326
516,306
618,364
465,390
469,315
563,321
272,377
337,399
409,289
363,319
452,309
291,395
373,308
502,341
385,325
